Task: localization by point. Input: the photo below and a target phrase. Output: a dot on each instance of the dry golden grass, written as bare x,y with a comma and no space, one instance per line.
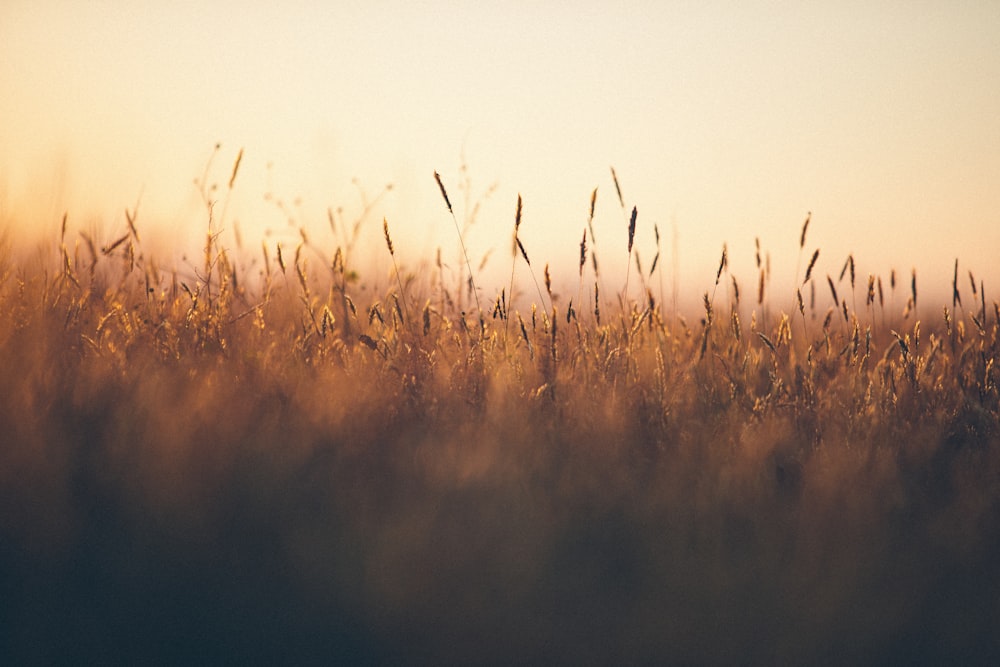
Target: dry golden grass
269,463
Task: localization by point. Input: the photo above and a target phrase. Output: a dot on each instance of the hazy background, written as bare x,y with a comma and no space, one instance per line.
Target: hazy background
723,120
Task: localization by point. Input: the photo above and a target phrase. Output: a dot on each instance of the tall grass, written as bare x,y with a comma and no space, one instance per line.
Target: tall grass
282,466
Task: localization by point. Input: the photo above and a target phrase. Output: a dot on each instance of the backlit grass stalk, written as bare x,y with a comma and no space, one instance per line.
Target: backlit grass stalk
593,238
513,265
656,261
538,287
723,263
395,267
465,252
583,263
228,197
802,243
631,238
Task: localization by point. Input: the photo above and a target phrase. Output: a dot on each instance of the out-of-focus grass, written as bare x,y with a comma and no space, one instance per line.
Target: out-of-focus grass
268,465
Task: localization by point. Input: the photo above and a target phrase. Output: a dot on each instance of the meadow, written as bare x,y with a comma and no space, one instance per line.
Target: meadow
252,459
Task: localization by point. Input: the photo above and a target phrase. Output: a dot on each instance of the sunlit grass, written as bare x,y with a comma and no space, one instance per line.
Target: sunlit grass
257,458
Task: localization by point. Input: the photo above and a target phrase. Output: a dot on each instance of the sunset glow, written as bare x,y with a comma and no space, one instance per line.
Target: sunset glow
726,121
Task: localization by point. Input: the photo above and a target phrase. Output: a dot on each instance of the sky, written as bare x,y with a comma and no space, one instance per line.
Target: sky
724,121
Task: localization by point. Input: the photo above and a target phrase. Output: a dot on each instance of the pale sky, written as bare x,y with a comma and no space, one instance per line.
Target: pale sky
724,120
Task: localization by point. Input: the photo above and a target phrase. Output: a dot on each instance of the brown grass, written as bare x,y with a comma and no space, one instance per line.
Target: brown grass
233,464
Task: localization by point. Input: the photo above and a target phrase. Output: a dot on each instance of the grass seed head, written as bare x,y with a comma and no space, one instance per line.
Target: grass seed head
524,253
444,193
618,189
812,263
722,263
631,229
236,168
388,238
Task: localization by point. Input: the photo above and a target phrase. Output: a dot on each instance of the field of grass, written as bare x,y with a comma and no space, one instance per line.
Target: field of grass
256,461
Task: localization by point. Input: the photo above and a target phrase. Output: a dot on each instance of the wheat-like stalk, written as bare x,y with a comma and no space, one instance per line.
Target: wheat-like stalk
395,267
812,263
802,244
631,238
465,252
514,250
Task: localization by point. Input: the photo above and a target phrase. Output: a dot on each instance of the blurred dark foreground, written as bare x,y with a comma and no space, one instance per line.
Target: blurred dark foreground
257,537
